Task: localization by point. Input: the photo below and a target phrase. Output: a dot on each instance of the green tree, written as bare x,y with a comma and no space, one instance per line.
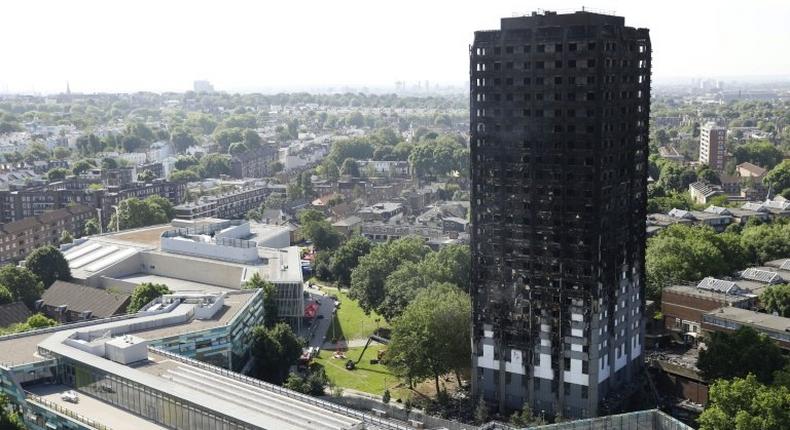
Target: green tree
214,165
746,404
83,166
144,294
766,242
274,350
776,298
451,265
357,148
134,213
525,418
682,254
317,229
38,321
146,176
270,311
322,266
237,148
9,420
322,234
346,258
350,167
705,173
5,295
131,143
252,139
23,284
761,153
57,174
737,354
37,151
314,383
61,153
185,161
275,167
109,163
431,337
48,264
481,412
330,171
779,177
182,140
91,227
66,237
88,145
184,176
226,136
368,278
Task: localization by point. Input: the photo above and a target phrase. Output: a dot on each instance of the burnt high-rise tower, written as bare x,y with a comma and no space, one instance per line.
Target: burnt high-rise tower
559,134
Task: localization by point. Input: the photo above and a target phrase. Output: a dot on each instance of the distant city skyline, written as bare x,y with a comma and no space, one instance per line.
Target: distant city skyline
126,46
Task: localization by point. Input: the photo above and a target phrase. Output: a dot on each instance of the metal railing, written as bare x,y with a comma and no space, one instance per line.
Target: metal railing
66,412
333,407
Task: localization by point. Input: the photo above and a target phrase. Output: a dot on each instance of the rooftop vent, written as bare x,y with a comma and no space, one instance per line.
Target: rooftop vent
760,275
719,286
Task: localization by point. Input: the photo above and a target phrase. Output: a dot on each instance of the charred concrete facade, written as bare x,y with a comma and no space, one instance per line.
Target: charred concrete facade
559,146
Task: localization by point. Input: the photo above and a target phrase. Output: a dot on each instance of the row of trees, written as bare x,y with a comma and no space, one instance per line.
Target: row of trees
391,275
134,213
683,253
751,382
191,168
428,154
42,268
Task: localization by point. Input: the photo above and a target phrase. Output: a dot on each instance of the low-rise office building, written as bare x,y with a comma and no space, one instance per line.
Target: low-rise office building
137,372
729,319
219,256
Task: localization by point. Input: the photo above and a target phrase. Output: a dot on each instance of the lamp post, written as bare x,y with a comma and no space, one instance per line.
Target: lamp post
117,217
101,224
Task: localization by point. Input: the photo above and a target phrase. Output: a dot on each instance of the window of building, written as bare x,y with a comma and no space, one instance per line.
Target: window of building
508,49
567,364
541,48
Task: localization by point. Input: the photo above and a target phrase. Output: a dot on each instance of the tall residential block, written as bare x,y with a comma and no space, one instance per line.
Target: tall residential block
559,144
713,146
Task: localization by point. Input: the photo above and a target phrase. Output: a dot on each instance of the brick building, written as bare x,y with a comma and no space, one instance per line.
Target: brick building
19,238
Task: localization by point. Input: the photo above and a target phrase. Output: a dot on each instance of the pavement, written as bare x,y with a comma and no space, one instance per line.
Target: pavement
316,332
320,329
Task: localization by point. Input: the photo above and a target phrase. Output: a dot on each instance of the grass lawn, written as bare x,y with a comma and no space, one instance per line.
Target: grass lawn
351,321
370,378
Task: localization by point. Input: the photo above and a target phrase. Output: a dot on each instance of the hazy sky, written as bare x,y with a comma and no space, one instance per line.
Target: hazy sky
159,45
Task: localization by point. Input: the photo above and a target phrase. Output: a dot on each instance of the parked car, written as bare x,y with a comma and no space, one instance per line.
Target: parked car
70,396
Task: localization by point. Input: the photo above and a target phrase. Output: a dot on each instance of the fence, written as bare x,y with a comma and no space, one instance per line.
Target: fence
63,411
401,413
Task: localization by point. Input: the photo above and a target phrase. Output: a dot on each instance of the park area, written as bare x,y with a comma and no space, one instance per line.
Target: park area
366,377
351,323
